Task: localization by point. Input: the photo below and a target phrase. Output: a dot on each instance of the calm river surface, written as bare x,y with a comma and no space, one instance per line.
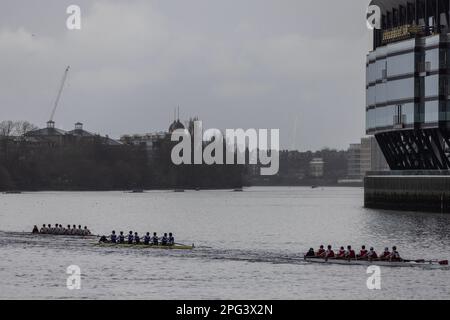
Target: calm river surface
249,245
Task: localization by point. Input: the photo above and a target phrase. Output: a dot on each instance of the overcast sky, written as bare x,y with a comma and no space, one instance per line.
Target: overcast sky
290,64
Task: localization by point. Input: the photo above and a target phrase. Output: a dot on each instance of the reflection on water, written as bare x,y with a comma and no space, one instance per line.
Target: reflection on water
249,245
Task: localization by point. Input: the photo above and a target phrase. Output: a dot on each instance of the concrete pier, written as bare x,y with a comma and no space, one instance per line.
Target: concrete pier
426,191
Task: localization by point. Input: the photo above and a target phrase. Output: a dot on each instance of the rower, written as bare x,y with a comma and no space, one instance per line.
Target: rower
386,254
61,229
310,253
341,253
372,255
320,252
350,253
43,229
137,239
113,237
49,229
329,253
147,238
130,237
86,231
363,253
74,230
164,240
121,237
79,231
35,230
395,256
68,231
155,239
171,241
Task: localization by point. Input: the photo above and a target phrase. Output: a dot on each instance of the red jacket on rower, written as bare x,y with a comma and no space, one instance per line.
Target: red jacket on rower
386,254
321,251
329,253
372,254
363,252
350,253
341,253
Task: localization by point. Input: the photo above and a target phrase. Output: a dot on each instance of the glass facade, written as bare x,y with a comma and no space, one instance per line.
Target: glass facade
407,84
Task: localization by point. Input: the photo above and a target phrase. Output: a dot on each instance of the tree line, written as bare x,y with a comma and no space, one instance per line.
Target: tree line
94,165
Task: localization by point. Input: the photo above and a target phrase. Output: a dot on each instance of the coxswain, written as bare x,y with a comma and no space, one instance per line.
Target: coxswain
320,252
164,240
310,253
395,256
372,255
362,253
386,254
147,238
350,253
155,239
113,237
103,239
341,253
329,253
35,230
171,241
121,237
137,239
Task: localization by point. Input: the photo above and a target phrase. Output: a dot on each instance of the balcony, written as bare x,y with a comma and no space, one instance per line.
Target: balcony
401,33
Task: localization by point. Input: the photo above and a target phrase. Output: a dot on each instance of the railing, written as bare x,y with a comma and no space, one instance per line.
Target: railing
401,33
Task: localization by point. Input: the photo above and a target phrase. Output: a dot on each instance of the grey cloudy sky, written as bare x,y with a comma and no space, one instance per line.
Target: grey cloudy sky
290,64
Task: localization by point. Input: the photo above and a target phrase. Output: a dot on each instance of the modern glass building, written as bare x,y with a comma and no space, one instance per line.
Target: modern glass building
408,84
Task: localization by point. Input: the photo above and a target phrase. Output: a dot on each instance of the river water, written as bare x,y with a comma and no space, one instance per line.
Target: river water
249,246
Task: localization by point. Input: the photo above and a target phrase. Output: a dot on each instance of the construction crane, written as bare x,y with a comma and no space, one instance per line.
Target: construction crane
58,97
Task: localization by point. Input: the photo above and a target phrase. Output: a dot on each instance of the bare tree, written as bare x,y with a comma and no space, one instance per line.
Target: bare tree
23,127
6,128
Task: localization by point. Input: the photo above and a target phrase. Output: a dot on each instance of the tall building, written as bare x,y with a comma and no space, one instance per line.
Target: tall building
372,158
408,84
365,157
354,162
316,167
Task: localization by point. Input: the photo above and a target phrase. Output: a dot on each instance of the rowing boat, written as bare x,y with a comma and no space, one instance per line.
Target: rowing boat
405,263
143,246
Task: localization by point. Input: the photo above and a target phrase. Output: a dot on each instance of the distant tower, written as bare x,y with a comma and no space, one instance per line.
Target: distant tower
176,124
78,126
51,124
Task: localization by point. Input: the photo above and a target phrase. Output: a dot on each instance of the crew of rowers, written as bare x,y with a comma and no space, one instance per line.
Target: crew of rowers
58,229
349,254
121,238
